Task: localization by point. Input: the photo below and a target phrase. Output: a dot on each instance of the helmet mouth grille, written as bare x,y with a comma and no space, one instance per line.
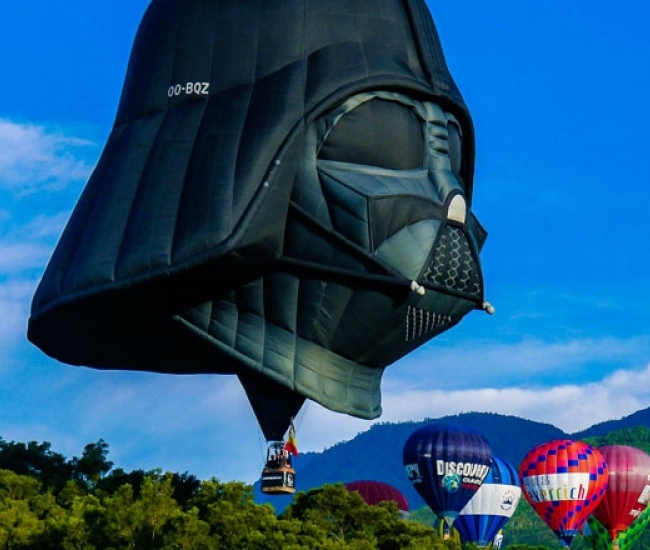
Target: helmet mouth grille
420,322
454,268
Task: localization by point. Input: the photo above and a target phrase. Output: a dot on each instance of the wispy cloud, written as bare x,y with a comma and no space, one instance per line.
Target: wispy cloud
483,363
24,252
18,257
178,423
407,396
44,226
570,407
33,158
187,422
29,245
14,307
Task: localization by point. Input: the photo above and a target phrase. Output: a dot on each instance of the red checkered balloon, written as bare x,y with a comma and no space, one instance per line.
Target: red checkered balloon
564,480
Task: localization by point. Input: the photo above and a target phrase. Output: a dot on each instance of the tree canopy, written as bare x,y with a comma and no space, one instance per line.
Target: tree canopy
50,502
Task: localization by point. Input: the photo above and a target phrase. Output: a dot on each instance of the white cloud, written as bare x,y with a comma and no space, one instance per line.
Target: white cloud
484,363
14,308
199,424
45,226
34,158
204,424
15,258
571,407
24,252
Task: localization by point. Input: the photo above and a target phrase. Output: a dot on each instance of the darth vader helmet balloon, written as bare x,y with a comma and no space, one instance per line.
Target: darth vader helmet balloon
285,195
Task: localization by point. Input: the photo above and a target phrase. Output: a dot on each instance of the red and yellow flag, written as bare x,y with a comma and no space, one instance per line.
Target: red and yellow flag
291,445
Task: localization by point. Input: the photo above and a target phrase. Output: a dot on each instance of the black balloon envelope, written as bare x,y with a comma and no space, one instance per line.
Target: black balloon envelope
285,196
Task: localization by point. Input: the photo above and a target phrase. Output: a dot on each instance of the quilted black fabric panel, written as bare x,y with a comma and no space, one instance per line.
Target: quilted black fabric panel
206,240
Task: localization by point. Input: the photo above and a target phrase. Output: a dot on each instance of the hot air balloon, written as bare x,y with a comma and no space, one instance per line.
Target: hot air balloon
596,534
285,196
447,464
598,537
491,506
374,492
628,490
564,480
631,535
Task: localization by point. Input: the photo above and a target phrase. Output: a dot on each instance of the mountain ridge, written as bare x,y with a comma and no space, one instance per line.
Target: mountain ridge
376,454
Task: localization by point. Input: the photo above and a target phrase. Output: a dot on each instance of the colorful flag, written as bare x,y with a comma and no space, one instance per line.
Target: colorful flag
291,445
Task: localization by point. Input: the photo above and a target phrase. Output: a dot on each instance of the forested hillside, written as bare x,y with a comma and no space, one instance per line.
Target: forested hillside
48,501
81,503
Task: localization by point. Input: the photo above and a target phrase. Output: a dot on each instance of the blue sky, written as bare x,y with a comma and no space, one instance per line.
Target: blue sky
559,92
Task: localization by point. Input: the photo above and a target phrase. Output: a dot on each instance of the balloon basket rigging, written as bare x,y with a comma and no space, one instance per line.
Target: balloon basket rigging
278,476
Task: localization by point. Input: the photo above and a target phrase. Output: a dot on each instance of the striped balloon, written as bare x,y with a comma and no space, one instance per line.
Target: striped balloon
492,505
564,481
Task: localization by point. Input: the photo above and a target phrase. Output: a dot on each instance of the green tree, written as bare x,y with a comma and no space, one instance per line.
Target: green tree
19,526
26,513
70,493
74,530
15,486
185,487
36,460
234,519
186,531
93,464
344,519
638,437
153,510
112,522
149,520
118,477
